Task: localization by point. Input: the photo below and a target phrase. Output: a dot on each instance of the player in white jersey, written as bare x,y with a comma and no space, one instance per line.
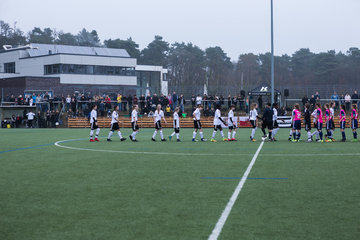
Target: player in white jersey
93,124
253,120
217,124
158,115
30,116
197,124
232,124
316,132
115,124
275,122
134,123
176,123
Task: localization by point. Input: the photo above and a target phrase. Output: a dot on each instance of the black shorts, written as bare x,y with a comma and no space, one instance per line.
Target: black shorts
158,125
332,124
297,125
275,123
354,124
134,126
232,127
307,126
328,125
217,127
268,125
319,126
197,124
253,123
93,126
177,130
114,127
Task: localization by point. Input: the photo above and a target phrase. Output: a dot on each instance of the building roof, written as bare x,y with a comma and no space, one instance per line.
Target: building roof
38,49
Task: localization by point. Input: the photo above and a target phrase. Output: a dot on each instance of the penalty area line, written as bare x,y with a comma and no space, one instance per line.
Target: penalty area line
225,214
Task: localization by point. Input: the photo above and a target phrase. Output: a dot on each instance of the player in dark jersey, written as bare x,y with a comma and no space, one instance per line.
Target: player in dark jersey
267,121
307,121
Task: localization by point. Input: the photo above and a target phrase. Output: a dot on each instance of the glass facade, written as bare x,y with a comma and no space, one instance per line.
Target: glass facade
9,67
148,81
88,70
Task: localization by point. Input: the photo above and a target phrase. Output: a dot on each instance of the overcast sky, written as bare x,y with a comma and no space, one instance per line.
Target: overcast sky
238,26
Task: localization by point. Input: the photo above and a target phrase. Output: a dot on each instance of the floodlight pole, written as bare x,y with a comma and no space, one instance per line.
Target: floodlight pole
272,54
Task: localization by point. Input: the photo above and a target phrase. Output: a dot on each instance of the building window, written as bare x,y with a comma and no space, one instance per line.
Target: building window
52,69
9,67
88,70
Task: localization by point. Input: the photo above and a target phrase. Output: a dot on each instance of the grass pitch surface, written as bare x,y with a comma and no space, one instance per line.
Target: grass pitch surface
174,190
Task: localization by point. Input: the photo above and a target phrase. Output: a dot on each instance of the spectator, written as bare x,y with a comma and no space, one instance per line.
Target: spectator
142,101
335,98
234,101
124,103
73,104
107,103
148,101
18,121
174,100
229,101
130,102
135,100
347,101
312,102
222,100
198,100
165,102
342,99
118,100
193,101
46,97
102,108
31,102
168,101
68,101
304,100
34,98
355,98
155,99
210,101
317,96
182,103
167,110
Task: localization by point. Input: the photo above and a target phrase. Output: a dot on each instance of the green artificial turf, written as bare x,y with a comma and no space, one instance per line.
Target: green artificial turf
174,190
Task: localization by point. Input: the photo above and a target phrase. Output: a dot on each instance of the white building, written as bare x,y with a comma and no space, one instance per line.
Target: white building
64,69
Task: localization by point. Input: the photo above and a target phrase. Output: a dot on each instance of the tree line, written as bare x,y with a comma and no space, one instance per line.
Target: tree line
191,68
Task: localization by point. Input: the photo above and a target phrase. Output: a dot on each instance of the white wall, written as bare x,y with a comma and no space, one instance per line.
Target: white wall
96,60
12,56
35,66
97,79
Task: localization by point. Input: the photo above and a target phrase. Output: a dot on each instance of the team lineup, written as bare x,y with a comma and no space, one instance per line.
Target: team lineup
269,121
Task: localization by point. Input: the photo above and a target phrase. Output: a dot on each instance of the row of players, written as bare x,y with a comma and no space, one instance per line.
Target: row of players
318,121
269,121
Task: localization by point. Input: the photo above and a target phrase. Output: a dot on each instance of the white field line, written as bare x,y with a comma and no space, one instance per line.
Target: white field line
225,214
58,144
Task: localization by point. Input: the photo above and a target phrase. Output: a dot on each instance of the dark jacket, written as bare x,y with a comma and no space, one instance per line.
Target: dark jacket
268,115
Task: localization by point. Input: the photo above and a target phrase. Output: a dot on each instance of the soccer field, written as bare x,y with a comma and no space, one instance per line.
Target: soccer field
175,190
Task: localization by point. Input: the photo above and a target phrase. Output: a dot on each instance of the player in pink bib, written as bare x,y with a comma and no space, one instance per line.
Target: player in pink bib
296,123
342,120
319,121
354,121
